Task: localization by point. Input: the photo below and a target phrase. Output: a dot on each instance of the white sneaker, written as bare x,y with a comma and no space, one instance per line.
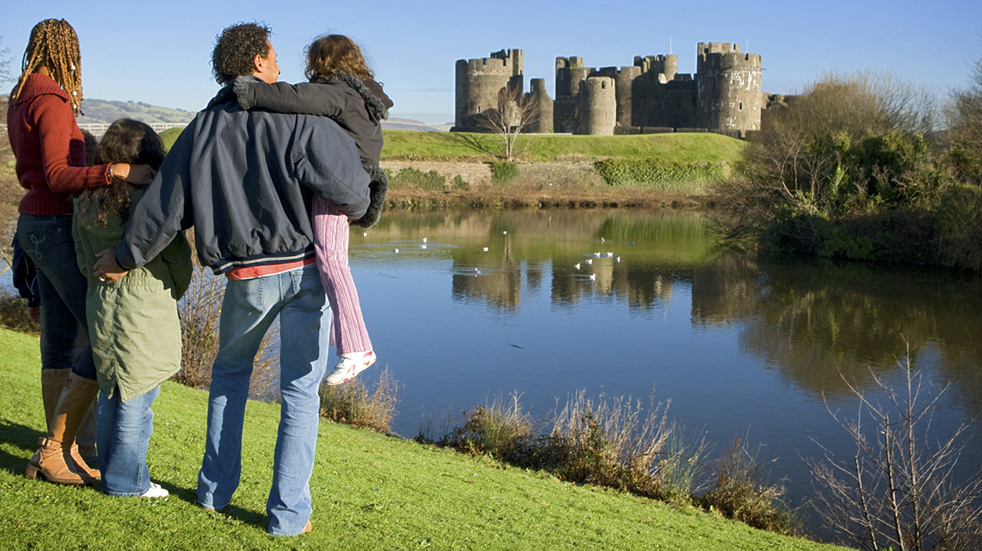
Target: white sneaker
349,366
155,491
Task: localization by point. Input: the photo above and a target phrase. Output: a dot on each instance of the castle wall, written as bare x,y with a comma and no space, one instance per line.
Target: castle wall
479,80
598,104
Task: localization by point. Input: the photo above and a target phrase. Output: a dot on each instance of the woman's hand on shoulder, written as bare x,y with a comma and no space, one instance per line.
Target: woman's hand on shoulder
139,175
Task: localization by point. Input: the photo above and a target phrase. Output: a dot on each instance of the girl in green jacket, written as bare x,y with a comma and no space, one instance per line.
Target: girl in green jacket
133,323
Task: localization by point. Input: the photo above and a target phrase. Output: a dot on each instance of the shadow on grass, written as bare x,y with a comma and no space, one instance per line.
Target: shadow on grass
21,436
245,516
474,142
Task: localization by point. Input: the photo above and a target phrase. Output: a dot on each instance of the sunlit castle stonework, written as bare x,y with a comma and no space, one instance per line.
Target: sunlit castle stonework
650,96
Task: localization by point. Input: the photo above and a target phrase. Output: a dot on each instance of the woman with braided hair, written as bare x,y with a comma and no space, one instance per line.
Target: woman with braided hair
50,152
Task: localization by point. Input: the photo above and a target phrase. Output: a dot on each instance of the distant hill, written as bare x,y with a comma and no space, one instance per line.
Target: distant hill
102,111
409,124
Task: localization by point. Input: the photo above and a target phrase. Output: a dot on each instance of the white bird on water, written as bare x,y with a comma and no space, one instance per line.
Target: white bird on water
596,255
577,265
593,277
504,233
589,261
485,249
395,250
424,240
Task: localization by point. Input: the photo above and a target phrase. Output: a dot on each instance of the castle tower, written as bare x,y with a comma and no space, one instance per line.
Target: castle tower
598,106
661,68
570,74
626,85
478,83
728,88
543,116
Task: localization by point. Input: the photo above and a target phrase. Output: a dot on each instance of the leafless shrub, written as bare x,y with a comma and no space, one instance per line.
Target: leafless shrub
898,489
200,310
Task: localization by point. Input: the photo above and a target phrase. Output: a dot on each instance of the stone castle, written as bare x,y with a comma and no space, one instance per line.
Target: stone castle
650,96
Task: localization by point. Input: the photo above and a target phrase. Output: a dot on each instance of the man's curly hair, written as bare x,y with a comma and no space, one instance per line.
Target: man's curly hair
236,48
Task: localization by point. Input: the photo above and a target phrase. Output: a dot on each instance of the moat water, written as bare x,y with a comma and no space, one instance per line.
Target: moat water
480,305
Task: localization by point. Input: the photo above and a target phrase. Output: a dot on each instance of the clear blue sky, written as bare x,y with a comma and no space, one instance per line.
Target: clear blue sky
158,52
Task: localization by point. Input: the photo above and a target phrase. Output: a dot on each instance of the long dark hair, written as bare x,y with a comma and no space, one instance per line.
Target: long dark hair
125,141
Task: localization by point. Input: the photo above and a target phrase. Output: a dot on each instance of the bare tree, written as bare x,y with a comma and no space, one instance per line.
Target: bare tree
898,489
965,129
513,111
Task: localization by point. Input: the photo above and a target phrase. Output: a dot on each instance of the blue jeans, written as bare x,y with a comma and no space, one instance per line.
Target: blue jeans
123,434
47,240
248,310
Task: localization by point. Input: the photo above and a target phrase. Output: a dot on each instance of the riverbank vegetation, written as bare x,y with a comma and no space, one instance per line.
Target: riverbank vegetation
856,169
369,491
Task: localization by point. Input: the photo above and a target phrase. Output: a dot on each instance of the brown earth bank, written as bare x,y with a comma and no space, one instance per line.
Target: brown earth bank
562,184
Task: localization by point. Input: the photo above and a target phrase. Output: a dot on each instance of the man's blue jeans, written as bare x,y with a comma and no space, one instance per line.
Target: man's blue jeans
248,310
48,241
124,430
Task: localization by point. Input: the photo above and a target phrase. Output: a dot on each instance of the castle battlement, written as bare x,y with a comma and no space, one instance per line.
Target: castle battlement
724,95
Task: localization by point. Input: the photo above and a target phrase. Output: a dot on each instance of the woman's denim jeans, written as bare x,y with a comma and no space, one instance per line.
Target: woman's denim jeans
248,310
47,240
124,430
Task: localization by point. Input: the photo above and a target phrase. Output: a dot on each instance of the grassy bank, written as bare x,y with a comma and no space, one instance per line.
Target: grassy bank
454,146
369,491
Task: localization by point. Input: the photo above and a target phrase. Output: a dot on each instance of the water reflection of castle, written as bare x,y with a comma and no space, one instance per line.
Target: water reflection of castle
640,287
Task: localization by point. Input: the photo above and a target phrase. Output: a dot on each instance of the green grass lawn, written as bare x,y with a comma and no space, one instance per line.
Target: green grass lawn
369,492
683,148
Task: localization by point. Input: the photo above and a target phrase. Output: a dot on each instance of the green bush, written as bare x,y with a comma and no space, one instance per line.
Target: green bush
658,174
410,177
459,184
958,229
503,172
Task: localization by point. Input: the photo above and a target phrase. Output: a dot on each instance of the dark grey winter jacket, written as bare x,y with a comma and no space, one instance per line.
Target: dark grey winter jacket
244,180
357,105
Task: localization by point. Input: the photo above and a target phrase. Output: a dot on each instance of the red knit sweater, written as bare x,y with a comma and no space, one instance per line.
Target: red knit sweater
49,147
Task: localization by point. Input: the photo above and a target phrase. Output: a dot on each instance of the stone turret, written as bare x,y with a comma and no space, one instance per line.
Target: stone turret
625,84
478,83
542,122
598,106
728,84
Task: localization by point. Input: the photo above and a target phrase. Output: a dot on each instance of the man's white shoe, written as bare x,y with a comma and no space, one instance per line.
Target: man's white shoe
349,366
155,491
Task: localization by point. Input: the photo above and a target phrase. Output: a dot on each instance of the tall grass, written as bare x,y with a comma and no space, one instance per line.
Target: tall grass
615,442
353,404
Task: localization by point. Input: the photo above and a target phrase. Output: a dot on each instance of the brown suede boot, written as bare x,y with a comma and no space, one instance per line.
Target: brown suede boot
55,461
85,439
52,384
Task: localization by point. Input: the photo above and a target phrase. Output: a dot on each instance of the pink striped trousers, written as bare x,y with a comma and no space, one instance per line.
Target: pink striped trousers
331,229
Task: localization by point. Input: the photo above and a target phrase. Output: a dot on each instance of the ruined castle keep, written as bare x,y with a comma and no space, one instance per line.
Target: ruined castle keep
650,96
